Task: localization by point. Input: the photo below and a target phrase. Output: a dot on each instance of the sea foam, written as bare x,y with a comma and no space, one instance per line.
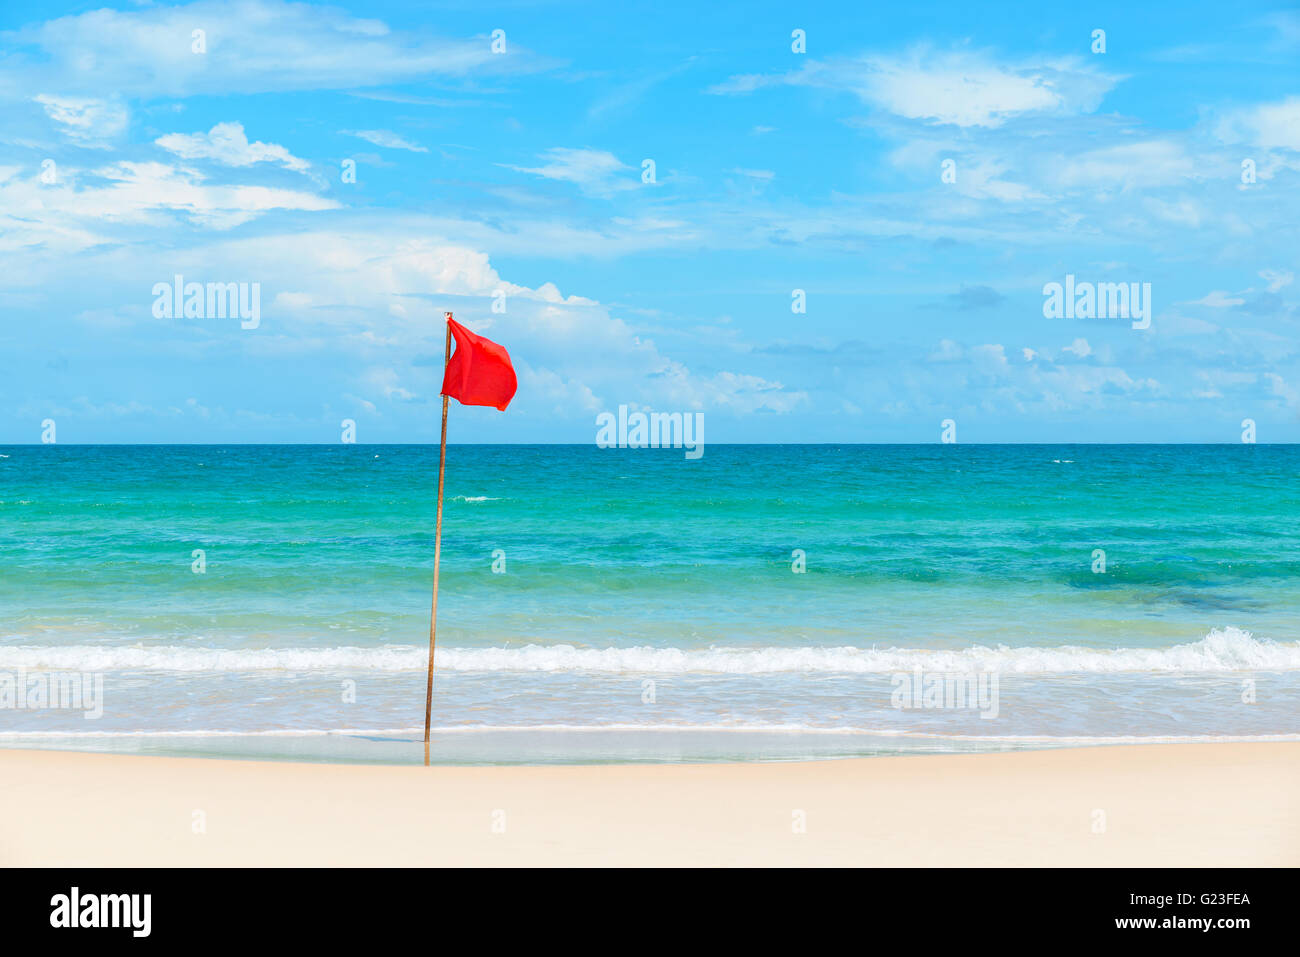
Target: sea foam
1222,650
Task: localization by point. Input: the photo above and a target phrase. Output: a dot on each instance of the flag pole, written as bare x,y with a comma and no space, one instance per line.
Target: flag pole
437,548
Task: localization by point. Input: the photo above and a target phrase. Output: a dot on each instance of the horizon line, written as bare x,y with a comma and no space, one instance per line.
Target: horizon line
668,448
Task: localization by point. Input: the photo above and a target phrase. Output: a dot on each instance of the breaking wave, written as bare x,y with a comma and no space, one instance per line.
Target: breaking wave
1222,650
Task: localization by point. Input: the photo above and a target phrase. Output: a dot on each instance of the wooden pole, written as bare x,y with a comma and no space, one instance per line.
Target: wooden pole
437,550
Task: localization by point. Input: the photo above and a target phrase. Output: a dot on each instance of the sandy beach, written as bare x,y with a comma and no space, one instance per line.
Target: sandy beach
1176,805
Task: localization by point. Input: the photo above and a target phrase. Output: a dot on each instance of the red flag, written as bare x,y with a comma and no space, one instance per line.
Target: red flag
479,372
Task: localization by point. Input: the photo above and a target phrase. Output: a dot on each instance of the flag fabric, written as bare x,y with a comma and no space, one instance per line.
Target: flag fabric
479,372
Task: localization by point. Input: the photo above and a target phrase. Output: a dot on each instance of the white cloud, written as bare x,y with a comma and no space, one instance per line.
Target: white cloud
1276,278
1181,212
1073,383
1130,165
1218,299
621,97
140,187
85,205
87,121
387,139
226,143
978,176
566,395
990,359
252,46
594,171
960,88
1269,125
1279,387
954,93
338,288
981,178
747,393
385,381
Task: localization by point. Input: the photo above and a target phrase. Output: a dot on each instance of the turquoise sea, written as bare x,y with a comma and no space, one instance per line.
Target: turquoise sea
761,602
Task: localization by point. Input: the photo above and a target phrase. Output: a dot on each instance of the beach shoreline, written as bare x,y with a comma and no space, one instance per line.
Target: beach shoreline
1183,805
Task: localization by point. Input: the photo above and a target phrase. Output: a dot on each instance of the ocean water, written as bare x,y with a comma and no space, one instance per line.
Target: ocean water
762,602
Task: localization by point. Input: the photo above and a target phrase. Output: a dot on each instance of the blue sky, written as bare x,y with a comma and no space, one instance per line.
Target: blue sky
126,158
